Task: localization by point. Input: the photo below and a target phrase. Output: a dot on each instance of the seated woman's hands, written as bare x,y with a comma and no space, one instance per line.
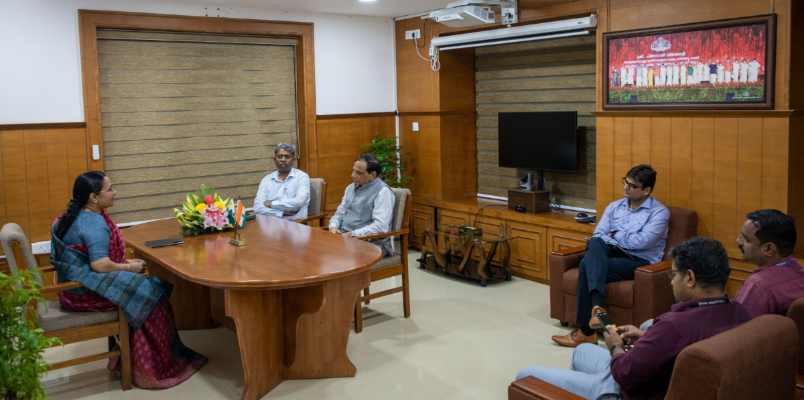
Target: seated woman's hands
136,265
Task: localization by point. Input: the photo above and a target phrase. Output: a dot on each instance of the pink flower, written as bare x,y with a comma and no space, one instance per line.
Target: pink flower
214,217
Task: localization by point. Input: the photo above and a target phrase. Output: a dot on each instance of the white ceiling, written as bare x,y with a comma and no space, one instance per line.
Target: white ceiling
380,8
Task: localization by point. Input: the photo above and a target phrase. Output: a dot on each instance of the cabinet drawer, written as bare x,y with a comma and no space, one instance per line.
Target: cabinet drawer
528,250
422,217
559,239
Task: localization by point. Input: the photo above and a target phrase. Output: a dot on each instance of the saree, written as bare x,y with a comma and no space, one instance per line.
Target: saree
159,358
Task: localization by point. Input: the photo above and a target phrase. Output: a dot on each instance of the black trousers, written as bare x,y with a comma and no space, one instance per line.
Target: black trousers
600,266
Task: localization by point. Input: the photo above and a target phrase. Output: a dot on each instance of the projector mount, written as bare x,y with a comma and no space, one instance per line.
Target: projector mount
451,16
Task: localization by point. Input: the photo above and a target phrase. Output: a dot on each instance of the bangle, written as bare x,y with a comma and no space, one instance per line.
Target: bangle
611,351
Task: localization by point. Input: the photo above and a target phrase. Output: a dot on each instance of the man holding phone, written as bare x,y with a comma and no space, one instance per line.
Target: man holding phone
638,364
632,233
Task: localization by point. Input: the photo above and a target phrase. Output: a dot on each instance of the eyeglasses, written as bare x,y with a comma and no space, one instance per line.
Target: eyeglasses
671,272
280,158
111,190
633,186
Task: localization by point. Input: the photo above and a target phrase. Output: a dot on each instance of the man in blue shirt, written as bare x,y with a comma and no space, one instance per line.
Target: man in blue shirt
285,193
631,233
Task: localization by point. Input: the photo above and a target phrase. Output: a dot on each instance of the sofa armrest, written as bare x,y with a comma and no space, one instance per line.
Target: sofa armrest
561,262
653,294
530,387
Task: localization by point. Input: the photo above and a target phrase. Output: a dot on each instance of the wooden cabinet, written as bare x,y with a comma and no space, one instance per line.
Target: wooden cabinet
528,255
422,217
560,239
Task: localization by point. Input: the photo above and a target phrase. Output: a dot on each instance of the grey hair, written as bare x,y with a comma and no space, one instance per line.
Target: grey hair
286,147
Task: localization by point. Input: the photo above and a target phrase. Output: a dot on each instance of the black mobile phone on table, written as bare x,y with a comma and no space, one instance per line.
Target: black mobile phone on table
164,242
606,320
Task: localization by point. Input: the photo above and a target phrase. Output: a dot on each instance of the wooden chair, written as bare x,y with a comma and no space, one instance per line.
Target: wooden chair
396,264
756,360
318,201
628,302
70,327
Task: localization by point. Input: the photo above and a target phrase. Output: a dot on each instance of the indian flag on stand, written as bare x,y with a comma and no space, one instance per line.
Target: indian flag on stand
237,214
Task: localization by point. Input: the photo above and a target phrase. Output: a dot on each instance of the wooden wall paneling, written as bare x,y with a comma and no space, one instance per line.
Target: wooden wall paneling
458,156
58,180
534,10
456,79
15,193
415,82
623,131
3,195
703,173
795,191
749,172
724,182
605,163
425,147
78,158
680,157
636,14
660,128
775,151
640,148
36,172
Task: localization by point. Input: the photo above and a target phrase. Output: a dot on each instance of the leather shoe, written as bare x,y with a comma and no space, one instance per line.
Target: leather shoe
594,323
574,338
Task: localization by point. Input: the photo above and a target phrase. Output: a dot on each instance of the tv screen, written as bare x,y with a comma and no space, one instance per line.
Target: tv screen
544,141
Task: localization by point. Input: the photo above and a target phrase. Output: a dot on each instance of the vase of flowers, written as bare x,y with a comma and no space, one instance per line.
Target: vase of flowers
204,211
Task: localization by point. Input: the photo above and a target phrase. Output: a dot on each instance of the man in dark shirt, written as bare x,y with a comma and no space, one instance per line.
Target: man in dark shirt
698,276
767,239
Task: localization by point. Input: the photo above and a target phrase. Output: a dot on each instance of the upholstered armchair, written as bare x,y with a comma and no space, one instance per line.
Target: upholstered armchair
756,360
628,302
318,201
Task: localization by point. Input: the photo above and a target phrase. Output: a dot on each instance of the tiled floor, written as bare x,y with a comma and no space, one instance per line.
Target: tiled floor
461,342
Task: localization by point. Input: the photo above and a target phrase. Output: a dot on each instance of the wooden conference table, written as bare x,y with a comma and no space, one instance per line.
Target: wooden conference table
291,291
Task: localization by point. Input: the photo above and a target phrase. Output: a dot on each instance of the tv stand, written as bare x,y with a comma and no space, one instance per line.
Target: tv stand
529,201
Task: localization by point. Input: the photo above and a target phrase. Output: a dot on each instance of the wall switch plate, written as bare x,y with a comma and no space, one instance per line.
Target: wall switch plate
414,34
95,152
415,127
41,247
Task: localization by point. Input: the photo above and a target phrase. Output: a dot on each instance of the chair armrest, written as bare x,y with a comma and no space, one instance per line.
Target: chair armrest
531,387
653,294
59,287
660,266
570,251
47,268
319,216
384,235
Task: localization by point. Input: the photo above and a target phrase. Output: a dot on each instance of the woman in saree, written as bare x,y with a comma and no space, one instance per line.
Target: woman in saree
87,247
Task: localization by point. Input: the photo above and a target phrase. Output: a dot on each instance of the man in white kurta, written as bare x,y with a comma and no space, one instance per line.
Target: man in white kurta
662,75
644,75
720,71
735,75
753,71
675,74
743,71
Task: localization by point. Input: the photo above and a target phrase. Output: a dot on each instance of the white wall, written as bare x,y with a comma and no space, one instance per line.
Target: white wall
40,68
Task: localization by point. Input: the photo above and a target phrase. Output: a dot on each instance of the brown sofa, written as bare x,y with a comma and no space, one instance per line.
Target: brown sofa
628,302
756,360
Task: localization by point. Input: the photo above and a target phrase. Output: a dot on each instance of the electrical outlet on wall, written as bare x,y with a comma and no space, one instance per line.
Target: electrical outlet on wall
414,34
41,247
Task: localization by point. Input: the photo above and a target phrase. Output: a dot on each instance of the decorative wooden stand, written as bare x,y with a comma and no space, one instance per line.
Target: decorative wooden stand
459,261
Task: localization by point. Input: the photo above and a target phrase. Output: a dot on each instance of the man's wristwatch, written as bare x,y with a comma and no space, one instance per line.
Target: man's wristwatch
611,351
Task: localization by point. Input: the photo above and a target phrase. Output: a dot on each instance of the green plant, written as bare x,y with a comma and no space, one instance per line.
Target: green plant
21,346
386,152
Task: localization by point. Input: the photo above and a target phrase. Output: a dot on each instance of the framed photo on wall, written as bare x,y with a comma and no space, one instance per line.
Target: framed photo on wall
727,64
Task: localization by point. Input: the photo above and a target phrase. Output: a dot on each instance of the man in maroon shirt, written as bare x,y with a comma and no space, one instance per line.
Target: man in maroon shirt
767,239
698,276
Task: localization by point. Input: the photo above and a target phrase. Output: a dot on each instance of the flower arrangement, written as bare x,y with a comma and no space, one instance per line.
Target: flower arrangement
204,211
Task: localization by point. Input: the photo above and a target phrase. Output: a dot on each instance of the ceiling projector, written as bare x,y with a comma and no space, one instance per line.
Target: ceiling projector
459,17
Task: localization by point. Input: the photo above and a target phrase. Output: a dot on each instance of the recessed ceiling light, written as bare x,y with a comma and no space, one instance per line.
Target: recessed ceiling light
366,1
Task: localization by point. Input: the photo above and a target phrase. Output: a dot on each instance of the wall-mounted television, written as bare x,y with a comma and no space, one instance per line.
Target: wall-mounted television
539,141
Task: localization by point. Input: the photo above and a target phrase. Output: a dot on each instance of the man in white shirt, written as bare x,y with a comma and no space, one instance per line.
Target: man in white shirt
367,206
284,193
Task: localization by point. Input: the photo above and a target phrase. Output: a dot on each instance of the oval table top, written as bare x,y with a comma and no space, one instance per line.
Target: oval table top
278,254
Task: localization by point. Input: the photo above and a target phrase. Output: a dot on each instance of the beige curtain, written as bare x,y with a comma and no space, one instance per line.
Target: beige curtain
545,75
181,110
